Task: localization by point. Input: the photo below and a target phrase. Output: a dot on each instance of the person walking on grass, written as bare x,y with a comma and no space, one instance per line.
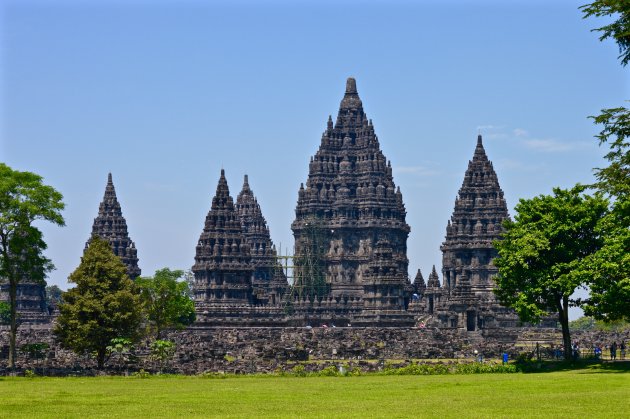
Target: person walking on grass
622,350
613,351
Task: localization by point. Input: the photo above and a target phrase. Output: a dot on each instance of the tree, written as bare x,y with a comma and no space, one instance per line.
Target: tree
104,304
53,295
166,300
541,251
608,270
24,199
619,30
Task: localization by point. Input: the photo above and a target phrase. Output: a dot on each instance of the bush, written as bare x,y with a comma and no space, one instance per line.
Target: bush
330,371
142,374
299,371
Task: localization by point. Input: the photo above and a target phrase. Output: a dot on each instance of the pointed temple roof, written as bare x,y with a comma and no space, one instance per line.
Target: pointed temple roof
349,177
112,226
252,221
480,207
351,208
222,244
433,281
418,283
257,234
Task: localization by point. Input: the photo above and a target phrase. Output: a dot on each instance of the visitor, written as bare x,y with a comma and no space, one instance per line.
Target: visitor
613,351
598,352
576,350
622,350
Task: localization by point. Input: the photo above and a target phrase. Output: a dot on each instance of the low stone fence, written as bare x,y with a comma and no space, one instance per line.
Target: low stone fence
267,349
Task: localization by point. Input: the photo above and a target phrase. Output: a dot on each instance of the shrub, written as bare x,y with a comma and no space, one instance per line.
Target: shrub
142,374
299,371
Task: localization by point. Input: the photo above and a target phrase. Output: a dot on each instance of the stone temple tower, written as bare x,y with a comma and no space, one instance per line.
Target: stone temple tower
110,225
467,251
222,269
348,215
268,281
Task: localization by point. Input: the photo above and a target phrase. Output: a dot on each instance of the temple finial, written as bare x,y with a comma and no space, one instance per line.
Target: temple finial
351,86
479,141
109,178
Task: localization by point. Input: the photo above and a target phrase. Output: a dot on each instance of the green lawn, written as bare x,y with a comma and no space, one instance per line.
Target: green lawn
583,393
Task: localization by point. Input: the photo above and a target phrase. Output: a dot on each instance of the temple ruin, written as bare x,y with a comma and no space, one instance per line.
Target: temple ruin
350,264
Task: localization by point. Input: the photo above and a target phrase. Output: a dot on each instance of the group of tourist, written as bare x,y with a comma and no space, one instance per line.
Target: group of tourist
598,350
613,347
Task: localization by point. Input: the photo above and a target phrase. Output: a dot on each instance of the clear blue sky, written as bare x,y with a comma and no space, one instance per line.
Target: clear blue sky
165,93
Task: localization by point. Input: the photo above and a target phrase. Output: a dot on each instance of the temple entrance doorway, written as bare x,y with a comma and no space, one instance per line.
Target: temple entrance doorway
471,321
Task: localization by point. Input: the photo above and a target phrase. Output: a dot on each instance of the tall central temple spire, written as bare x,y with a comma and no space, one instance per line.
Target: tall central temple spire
349,208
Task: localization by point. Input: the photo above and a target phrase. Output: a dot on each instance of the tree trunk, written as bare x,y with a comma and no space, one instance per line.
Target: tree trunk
100,358
14,323
563,312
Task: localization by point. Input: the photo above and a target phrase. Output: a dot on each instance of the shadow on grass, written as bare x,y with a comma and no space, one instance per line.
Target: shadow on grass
588,366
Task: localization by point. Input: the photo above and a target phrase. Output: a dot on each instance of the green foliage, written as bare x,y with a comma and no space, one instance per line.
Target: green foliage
120,349
615,179
299,371
585,323
5,313
543,252
104,304
619,30
24,199
166,300
162,351
30,374
330,371
608,270
53,295
141,374
35,350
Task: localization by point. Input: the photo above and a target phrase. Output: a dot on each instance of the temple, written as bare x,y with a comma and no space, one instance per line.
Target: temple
228,281
30,300
467,298
110,225
350,229
350,263
268,281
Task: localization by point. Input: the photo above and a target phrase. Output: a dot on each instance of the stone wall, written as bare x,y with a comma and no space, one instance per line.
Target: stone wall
248,350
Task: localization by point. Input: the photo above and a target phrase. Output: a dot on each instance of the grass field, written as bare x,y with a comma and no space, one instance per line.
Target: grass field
585,393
